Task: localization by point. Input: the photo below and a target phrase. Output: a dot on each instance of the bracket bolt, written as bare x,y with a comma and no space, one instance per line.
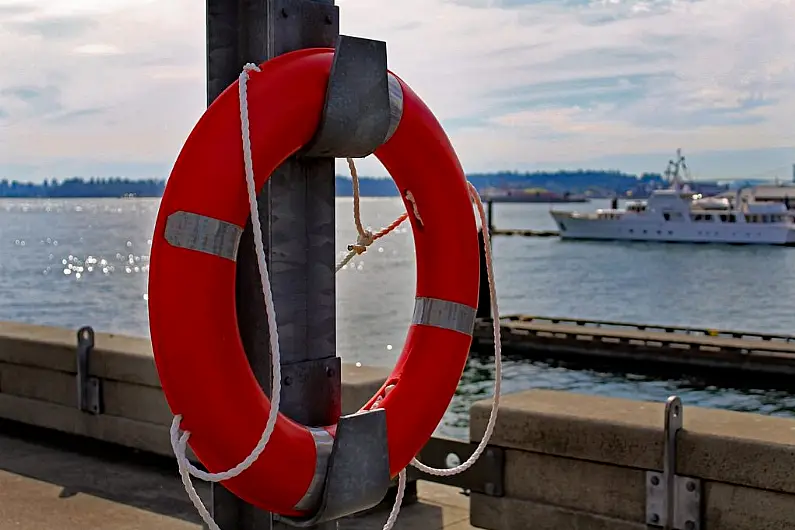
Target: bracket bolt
283,13
328,20
691,486
288,381
655,518
489,488
655,481
330,372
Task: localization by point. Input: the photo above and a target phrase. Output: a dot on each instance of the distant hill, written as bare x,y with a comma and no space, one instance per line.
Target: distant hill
596,183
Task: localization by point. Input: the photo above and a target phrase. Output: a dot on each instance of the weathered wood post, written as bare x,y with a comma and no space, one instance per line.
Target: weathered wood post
296,209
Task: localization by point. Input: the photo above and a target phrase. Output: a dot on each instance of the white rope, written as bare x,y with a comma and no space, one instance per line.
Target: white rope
179,438
495,403
179,442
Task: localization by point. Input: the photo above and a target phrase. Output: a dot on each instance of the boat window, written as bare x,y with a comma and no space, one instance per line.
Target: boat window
667,216
732,218
723,218
708,217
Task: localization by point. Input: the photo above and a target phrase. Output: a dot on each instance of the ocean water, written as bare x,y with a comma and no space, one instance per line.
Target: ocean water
85,262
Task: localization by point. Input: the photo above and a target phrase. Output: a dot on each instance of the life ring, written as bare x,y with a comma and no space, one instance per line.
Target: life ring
198,351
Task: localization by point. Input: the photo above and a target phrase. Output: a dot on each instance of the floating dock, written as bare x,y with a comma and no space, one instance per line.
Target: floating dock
623,345
523,232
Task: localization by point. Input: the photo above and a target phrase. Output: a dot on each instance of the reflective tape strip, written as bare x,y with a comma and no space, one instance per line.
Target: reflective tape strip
203,234
395,105
324,443
444,314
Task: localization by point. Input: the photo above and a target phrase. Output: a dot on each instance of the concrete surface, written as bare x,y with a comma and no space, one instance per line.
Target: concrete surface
504,513
723,446
49,480
600,489
38,386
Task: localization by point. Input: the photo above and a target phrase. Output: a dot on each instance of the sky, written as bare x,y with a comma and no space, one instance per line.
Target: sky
112,88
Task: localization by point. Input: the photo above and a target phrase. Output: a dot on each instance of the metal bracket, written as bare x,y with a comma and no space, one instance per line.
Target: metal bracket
89,389
364,103
486,476
672,501
358,470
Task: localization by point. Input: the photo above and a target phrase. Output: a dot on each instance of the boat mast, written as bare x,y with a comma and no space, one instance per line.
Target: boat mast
674,169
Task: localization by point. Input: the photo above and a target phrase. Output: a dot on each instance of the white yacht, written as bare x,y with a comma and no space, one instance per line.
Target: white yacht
677,214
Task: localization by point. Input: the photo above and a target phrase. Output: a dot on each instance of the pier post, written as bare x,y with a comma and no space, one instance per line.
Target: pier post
296,209
484,297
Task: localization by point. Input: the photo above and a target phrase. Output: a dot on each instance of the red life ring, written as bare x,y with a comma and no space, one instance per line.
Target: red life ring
198,351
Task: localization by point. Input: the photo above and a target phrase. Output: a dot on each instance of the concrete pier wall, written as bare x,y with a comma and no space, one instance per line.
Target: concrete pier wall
576,461
570,460
38,370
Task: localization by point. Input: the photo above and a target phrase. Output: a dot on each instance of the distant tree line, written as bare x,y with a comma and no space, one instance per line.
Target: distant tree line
78,187
597,183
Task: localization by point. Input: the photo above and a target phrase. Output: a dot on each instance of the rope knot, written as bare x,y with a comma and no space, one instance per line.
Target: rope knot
365,239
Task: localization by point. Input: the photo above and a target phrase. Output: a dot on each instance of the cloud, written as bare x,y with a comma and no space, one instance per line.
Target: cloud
517,83
57,27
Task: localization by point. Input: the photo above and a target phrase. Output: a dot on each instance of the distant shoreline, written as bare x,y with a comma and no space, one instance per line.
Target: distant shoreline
594,183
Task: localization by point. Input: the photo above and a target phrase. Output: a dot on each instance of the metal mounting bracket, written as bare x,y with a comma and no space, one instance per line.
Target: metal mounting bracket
486,476
358,470
364,102
672,501
89,389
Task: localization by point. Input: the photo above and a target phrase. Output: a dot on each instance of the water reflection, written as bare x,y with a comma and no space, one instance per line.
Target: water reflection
477,383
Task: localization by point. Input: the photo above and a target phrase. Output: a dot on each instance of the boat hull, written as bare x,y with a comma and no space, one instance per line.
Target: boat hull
572,226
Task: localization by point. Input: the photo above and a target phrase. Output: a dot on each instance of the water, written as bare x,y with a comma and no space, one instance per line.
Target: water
76,262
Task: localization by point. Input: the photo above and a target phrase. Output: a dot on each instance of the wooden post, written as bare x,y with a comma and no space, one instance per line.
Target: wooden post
297,214
484,297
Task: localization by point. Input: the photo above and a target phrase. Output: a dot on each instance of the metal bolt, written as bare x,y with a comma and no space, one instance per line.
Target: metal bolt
691,486
328,20
288,381
489,488
330,372
655,518
283,13
690,525
489,453
452,460
655,481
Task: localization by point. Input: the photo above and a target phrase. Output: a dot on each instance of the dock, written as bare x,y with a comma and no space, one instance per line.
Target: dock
655,348
523,232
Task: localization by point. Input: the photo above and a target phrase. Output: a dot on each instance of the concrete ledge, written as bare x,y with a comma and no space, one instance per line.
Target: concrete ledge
503,513
115,357
38,386
732,447
599,489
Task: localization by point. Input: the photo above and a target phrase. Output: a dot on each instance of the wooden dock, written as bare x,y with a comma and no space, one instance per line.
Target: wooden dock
523,232
625,346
